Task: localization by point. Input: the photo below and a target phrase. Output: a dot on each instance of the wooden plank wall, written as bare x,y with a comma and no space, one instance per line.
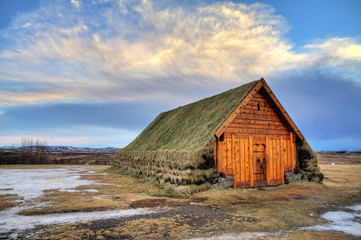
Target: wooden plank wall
259,123
256,125
280,158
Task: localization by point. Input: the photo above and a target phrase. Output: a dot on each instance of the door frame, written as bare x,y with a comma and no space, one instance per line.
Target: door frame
259,182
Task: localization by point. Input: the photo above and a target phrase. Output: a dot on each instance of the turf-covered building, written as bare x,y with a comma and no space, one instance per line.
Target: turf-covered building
244,132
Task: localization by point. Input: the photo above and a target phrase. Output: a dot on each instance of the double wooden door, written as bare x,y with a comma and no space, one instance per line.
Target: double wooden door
253,162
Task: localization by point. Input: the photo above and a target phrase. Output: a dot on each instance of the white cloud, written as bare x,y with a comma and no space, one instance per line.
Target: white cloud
142,50
75,3
28,24
341,56
345,48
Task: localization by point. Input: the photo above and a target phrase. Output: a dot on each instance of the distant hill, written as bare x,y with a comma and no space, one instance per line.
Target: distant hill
81,149
57,155
67,149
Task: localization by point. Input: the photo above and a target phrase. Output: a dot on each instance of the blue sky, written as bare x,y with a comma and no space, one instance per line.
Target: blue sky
97,72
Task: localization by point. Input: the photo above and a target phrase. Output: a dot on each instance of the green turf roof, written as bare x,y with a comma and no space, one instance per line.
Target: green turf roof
188,127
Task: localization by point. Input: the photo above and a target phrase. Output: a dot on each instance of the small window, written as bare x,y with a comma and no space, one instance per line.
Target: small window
258,107
221,138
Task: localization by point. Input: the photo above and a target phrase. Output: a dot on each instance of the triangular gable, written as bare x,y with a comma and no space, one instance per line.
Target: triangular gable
279,108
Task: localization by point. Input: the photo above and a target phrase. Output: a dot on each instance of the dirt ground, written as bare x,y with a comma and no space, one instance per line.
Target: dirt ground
276,212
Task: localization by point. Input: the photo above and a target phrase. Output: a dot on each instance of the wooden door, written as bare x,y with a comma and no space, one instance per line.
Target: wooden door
259,165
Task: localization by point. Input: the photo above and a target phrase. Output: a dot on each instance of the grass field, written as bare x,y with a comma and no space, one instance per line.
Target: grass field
277,212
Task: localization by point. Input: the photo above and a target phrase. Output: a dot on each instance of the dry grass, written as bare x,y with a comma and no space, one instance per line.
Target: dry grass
277,209
58,232
62,202
8,201
341,182
169,228
341,176
315,235
40,166
161,228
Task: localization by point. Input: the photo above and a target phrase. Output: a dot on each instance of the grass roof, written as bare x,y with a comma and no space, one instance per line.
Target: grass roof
187,128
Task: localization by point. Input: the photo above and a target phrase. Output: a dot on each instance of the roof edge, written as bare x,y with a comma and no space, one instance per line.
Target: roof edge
260,83
238,109
282,110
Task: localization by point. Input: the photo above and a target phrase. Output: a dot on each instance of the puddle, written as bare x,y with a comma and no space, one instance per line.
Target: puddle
347,222
31,183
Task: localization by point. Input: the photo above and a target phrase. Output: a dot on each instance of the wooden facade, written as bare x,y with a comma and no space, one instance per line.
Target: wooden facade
257,143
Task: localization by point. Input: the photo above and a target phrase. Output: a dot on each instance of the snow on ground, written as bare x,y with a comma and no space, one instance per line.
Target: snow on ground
347,222
30,183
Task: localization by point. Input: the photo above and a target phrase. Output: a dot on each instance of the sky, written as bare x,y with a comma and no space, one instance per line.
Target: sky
95,73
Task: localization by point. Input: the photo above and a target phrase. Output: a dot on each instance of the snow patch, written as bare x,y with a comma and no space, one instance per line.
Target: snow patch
341,221
30,183
355,208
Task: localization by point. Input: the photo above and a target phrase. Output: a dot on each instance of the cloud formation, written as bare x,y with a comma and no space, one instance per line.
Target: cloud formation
75,3
136,51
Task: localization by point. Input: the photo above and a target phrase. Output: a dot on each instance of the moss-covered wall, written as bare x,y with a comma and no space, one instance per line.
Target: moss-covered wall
182,173
307,162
